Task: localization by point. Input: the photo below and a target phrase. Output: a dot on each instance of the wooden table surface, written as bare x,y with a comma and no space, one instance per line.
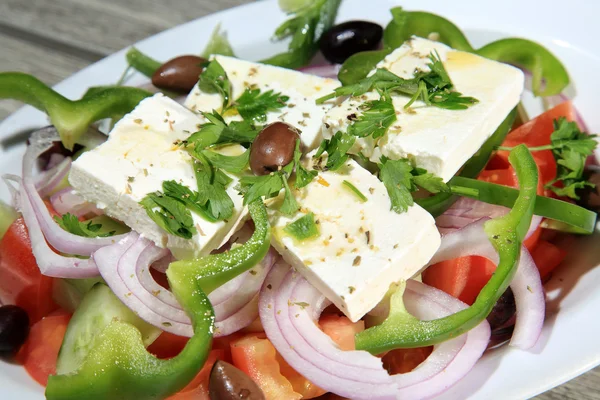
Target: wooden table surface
53,39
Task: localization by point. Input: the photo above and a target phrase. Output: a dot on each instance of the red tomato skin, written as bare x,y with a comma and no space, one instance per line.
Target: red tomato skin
401,361
257,357
167,345
40,351
21,282
547,257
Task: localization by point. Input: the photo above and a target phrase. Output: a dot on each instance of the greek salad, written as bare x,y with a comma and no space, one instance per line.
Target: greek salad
362,216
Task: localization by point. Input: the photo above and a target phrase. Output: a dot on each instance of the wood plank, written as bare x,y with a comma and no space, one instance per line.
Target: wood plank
47,64
101,27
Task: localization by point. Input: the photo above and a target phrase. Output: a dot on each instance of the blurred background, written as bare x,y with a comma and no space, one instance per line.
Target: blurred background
53,39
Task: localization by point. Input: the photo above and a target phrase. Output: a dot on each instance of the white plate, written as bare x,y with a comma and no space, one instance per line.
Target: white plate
569,345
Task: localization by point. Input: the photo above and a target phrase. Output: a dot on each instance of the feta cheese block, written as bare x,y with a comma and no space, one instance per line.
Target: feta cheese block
302,89
362,247
140,154
439,140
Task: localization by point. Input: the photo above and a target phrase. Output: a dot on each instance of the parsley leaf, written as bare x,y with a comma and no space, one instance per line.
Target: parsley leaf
266,186
570,148
377,117
217,131
212,184
71,223
170,214
232,164
397,179
289,205
214,80
336,149
434,87
354,190
303,176
303,228
254,105
400,178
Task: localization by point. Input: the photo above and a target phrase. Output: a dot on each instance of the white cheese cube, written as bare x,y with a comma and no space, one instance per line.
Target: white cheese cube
363,246
138,157
302,89
439,140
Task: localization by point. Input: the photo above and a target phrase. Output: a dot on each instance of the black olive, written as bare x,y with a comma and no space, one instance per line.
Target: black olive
179,74
273,148
226,382
503,310
14,328
343,40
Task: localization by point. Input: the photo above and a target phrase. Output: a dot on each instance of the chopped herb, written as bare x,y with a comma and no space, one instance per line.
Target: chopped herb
336,149
376,118
434,87
400,178
355,191
302,304
214,80
217,131
232,164
170,214
253,105
212,184
255,187
71,224
303,176
351,289
289,205
303,228
356,261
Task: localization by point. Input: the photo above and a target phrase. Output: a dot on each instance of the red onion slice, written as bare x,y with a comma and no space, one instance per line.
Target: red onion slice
118,265
129,277
526,284
289,307
48,180
67,201
450,361
49,262
465,211
60,239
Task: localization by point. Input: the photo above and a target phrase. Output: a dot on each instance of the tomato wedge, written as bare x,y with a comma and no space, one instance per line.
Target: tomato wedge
40,351
255,355
197,389
21,282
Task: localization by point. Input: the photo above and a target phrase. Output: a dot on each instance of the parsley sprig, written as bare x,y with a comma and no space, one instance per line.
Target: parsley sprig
571,147
72,224
433,87
337,148
401,178
253,105
269,186
171,208
376,118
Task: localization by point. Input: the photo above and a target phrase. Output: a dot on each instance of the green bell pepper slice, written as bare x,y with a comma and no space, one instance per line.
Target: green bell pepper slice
70,117
402,330
549,75
576,218
119,367
142,62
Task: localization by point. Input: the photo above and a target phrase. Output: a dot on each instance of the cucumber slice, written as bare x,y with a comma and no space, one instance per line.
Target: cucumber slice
99,308
8,215
68,293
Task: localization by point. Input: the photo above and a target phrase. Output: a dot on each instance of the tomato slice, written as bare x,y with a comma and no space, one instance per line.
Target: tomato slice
256,356
40,351
537,133
547,257
341,330
21,282
401,361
